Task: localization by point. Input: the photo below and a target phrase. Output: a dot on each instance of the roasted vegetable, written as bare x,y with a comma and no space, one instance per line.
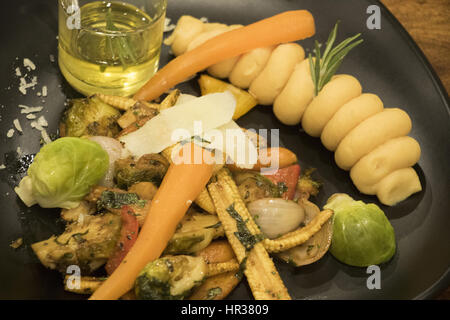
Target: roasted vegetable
128,235
170,278
275,216
313,223
149,167
86,284
245,239
63,172
244,100
115,151
219,286
114,199
306,185
204,200
91,117
286,179
145,190
87,245
195,232
137,112
362,235
313,240
253,186
78,213
182,183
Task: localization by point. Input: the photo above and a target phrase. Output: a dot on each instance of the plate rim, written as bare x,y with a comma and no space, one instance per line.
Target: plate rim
441,284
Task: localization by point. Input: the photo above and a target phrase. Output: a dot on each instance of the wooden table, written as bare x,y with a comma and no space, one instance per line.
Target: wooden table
428,22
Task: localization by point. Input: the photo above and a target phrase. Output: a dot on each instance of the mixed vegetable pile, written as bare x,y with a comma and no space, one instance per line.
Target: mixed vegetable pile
167,230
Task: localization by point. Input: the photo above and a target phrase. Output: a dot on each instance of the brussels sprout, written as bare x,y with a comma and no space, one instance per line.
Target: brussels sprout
89,116
362,235
63,172
170,278
149,167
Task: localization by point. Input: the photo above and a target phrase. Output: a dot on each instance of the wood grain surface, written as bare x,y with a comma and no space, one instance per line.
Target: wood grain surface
428,22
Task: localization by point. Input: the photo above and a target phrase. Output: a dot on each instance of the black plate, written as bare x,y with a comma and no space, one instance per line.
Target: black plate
388,64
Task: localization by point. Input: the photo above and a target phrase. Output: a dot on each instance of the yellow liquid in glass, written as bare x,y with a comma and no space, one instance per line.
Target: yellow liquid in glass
116,50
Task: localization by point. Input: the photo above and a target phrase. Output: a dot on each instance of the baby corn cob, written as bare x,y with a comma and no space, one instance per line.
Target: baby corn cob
86,285
262,276
299,236
122,103
222,267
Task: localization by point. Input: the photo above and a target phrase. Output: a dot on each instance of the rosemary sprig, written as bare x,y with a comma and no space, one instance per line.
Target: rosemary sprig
323,67
119,45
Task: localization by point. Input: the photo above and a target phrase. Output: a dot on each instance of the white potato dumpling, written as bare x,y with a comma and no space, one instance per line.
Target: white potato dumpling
272,79
223,69
206,35
340,90
348,117
249,66
395,154
369,134
186,30
398,186
210,26
296,95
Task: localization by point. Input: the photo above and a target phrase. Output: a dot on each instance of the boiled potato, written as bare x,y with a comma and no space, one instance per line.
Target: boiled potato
296,95
206,35
341,89
349,116
223,69
395,154
249,66
369,134
187,29
272,79
397,186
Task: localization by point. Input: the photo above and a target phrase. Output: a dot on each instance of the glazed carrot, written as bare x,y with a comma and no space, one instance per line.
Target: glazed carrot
284,27
271,158
180,186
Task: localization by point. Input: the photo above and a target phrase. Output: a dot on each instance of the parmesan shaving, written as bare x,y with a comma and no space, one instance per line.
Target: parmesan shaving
231,140
17,125
168,26
27,63
45,136
26,109
181,122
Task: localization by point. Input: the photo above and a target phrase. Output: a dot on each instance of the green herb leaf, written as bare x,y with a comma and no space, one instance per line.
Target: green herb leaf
118,45
323,67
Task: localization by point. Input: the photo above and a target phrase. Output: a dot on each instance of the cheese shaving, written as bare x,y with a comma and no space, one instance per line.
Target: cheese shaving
181,122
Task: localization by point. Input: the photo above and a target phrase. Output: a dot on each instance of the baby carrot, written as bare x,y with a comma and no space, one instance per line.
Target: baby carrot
181,185
284,27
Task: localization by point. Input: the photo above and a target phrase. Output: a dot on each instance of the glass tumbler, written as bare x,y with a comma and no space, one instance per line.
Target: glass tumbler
109,47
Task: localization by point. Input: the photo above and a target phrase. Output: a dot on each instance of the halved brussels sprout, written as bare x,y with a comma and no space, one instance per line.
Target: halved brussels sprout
170,278
89,116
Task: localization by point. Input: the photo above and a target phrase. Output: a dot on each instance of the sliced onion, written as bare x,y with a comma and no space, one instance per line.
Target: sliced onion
276,216
115,151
